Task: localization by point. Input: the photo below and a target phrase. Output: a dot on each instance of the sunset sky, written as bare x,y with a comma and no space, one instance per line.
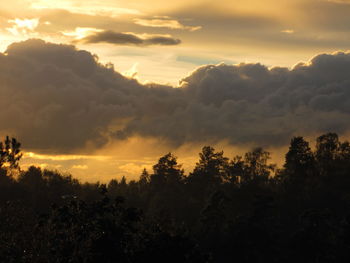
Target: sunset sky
271,32
170,75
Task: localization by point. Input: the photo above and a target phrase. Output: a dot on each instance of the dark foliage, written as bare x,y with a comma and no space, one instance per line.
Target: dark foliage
242,209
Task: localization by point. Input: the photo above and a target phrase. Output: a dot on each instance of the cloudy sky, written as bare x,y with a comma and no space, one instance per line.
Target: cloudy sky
103,88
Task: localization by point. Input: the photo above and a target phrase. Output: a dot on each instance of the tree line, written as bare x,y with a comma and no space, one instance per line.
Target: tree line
240,209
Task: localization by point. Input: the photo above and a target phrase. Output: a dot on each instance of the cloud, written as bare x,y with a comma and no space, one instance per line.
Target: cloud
288,31
89,8
117,38
80,32
22,26
132,72
328,18
249,27
60,91
57,99
347,2
164,22
35,156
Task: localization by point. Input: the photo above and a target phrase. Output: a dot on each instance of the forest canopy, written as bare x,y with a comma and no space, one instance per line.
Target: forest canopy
242,208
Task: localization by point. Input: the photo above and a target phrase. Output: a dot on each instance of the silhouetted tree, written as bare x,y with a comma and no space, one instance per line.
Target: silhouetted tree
10,152
144,178
256,166
212,168
236,170
327,150
167,171
299,161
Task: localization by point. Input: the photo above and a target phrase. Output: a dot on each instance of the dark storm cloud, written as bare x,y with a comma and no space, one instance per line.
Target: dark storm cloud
117,38
55,97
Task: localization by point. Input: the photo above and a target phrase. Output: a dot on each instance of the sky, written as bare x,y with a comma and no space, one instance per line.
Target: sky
103,88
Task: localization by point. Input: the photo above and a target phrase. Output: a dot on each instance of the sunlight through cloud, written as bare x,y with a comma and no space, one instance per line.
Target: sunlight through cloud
132,72
80,32
165,22
22,26
33,155
88,8
288,31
